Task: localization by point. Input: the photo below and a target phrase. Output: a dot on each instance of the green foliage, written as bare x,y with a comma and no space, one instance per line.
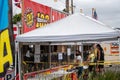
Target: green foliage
16,18
108,75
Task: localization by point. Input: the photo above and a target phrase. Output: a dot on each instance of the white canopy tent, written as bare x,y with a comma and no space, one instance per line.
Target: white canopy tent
76,27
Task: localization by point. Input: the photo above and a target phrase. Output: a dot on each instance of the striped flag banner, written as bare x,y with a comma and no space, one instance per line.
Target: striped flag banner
18,3
6,58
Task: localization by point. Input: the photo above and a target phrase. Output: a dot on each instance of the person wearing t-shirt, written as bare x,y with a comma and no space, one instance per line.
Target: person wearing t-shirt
91,59
79,62
100,57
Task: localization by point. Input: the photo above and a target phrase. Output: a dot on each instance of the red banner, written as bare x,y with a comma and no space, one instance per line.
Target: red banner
54,15
18,3
34,15
37,15
57,15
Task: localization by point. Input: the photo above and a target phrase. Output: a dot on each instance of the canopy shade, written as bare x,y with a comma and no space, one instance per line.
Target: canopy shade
76,27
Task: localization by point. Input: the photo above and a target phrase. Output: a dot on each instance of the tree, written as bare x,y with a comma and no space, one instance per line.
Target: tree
16,18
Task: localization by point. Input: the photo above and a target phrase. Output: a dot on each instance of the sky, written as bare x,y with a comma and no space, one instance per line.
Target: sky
107,10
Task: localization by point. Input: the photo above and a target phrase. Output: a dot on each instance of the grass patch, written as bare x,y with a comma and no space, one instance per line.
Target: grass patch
108,75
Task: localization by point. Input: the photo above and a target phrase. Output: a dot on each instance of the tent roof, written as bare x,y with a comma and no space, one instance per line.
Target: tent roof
76,27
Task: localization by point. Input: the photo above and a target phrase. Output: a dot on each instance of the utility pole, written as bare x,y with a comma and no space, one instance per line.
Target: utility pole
11,30
67,6
72,6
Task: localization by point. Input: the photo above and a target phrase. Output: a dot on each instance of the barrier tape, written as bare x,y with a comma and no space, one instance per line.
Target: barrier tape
85,63
26,76
111,54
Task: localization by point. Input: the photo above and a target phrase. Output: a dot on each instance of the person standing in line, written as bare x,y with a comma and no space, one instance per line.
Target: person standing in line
95,50
91,59
100,57
79,62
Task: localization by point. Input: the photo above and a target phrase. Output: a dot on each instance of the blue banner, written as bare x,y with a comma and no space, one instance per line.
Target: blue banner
6,58
3,14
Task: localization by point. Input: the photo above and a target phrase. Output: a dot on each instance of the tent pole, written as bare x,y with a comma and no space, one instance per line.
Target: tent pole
81,49
16,59
49,55
16,53
19,61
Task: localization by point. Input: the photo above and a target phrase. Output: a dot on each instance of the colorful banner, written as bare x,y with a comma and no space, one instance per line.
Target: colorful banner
57,15
5,41
35,15
3,14
18,3
15,30
114,48
54,16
